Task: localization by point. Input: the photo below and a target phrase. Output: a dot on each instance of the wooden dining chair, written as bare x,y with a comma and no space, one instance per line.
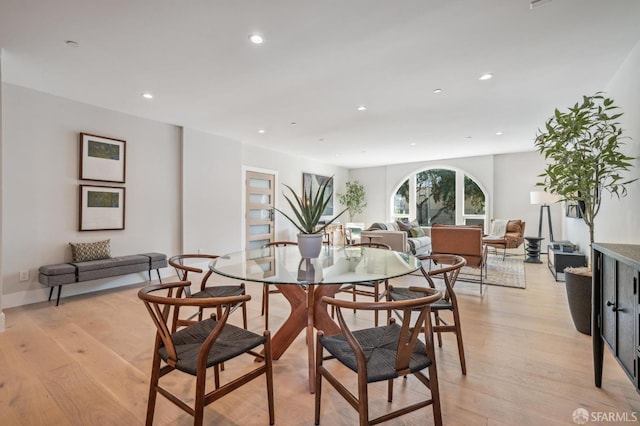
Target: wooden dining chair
200,346
266,288
445,267
186,266
381,353
367,288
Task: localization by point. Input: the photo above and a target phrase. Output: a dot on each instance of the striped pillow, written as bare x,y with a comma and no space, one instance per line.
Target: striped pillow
90,251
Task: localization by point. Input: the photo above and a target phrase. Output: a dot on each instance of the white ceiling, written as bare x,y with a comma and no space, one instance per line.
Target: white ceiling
320,60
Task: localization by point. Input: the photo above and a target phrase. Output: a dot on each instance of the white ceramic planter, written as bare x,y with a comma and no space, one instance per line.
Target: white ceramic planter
310,245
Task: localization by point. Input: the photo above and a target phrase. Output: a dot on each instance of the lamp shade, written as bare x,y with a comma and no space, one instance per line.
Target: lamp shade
541,197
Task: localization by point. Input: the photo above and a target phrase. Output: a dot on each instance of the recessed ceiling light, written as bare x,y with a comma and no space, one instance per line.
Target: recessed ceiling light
256,39
147,95
412,144
293,123
437,90
499,133
468,137
537,3
361,108
320,140
72,43
487,76
261,131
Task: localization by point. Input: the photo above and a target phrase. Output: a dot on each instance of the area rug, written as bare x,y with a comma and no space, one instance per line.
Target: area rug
506,273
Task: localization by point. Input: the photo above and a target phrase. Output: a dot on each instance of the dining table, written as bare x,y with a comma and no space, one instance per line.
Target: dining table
305,281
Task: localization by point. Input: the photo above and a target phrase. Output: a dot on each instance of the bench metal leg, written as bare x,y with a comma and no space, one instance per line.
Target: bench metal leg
50,292
58,299
157,272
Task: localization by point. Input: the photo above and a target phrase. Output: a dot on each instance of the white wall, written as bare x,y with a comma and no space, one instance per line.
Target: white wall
1,198
40,188
184,189
211,193
617,221
508,179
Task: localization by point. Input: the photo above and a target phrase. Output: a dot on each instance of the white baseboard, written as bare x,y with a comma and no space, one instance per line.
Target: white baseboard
1,321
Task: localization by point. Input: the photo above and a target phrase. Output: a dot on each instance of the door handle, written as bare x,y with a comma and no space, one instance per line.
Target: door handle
614,308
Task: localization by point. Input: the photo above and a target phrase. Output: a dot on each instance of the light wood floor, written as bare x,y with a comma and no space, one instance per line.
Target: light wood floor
87,362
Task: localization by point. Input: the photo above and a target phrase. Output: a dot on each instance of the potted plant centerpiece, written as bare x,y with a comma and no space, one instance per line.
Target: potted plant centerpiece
308,211
583,149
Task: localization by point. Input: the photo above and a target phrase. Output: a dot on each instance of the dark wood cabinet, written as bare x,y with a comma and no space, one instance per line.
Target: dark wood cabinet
616,307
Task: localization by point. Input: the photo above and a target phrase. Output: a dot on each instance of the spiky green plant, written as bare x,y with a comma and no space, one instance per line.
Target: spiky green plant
308,211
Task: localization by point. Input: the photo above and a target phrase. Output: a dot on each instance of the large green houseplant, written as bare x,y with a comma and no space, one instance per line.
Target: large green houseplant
308,212
353,198
583,149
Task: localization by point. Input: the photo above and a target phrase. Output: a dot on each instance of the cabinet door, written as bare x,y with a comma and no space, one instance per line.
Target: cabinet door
624,309
607,315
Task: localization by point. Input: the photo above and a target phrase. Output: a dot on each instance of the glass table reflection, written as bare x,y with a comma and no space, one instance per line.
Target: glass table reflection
303,282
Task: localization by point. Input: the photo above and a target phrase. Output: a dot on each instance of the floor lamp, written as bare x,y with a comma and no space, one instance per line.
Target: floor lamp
543,199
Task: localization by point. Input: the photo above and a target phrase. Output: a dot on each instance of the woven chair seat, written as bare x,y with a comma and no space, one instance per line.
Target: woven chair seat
220,291
232,342
401,293
380,345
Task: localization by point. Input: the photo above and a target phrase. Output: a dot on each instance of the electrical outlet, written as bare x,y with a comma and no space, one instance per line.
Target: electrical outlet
24,275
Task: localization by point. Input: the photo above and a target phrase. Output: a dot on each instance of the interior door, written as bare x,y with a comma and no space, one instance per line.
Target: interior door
259,217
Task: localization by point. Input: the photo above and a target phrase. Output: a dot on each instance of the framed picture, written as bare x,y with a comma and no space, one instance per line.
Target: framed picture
311,183
573,210
102,158
101,207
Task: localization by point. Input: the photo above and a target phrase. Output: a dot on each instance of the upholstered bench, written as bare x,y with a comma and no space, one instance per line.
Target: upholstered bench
74,272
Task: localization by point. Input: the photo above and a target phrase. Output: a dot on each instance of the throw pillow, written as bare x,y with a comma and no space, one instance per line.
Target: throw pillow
403,226
414,223
90,251
417,232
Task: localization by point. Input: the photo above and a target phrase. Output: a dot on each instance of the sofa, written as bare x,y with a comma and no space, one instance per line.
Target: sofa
400,236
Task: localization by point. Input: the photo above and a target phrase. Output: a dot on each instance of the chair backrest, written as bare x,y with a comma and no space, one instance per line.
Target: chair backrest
410,327
372,244
160,307
280,244
186,263
465,241
447,267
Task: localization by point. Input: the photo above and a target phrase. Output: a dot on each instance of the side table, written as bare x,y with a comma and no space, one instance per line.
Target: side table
533,249
558,260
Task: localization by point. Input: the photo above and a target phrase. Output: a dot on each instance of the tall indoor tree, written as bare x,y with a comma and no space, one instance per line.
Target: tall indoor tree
583,148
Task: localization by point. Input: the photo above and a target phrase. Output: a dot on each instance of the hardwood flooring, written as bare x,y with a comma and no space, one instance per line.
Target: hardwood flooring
87,362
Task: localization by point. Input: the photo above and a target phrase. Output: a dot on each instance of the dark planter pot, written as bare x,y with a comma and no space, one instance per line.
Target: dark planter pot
579,295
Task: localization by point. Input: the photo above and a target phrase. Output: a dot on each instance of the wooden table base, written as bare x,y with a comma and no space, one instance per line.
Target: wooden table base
301,318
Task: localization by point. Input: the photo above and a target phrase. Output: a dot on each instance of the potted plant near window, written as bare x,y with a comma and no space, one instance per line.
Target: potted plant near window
583,148
308,211
353,198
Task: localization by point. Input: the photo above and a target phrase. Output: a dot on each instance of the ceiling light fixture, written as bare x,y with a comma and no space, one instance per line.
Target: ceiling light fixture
256,39
487,76
261,131
499,133
72,43
361,108
412,144
293,123
537,3
437,91
147,95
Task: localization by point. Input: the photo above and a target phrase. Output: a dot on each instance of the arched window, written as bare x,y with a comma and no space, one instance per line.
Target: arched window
441,195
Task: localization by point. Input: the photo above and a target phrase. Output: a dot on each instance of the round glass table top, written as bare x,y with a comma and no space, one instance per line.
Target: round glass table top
335,265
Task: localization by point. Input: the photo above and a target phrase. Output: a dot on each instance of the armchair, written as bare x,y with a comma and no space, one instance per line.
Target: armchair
465,241
507,236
